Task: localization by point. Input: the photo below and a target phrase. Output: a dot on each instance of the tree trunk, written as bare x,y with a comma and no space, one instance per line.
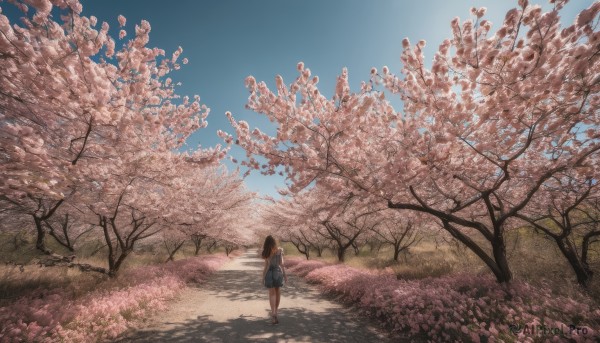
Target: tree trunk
302,248
114,267
341,252
229,249
40,243
499,249
588,239
498,265
356,249
211,246
319,251
41,233
583,273
173,252
197,239
66,241
396,251
66,244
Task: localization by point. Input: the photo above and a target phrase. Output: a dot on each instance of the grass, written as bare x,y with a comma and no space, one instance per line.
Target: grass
20,274
16,281
532,258
423,260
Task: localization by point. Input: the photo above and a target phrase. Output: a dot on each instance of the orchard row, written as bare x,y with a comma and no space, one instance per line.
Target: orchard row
501,131
91,140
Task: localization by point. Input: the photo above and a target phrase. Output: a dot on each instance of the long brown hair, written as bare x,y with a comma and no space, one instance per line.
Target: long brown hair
268,246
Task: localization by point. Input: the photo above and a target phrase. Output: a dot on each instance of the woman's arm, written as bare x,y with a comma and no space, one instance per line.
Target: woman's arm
283,266
265,271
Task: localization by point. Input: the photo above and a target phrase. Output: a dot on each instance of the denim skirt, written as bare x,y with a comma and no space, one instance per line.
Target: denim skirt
274,277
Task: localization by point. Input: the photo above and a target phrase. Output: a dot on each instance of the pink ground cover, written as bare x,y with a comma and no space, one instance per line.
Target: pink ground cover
458,307
52,315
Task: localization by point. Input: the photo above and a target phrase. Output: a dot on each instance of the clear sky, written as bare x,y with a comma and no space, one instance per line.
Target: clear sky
227,40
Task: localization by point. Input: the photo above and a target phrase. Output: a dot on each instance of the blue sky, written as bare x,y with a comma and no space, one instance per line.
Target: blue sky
227,40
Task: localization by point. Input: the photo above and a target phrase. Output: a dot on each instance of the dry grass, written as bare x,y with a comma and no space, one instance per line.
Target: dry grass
20,274
423,260
536,259
16,281
532,258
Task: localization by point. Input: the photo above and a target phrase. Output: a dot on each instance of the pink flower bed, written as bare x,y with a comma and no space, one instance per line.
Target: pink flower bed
458,307
303,267
51,315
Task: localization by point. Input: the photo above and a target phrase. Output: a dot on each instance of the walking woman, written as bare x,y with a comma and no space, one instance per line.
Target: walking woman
273,274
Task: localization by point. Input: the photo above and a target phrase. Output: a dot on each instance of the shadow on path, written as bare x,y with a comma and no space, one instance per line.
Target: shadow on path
243,285
296,325
232,306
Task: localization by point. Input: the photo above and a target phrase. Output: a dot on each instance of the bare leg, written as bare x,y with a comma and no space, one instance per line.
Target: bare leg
278,298
273,301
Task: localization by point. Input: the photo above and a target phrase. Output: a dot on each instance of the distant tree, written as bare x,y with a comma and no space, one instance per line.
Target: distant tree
400,230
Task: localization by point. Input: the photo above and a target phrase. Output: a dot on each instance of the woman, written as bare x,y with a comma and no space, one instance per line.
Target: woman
273,274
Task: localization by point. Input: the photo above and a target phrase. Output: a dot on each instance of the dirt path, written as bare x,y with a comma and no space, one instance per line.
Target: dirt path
233,307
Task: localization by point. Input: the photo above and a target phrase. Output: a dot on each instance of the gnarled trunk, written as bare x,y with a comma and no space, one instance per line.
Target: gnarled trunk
582,271
40,242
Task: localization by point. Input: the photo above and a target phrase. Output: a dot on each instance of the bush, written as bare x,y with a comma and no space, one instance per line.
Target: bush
459,307
55,315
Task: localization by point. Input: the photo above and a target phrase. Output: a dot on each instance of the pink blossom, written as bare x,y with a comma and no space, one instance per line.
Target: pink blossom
53,315
43,6
587,15
443,307
405,43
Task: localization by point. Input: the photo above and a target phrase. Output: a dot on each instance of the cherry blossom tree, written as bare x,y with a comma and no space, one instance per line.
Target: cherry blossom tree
400,230
197,239
147,195
290,222
230,247
209,203
101,102
495,117
100,144
126,207
339,219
